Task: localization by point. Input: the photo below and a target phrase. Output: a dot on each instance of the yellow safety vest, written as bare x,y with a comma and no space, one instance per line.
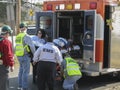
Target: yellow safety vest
72,67
20,47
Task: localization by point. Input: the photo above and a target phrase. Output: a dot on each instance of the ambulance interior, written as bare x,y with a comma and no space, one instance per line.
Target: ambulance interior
71,27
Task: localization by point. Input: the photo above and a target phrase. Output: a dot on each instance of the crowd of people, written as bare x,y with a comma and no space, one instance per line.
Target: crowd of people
44,54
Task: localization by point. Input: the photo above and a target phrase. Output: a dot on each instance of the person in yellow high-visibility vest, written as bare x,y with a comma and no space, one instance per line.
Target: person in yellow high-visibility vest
70,70
23,47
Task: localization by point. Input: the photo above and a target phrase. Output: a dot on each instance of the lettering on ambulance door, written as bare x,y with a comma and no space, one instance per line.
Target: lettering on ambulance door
89,35
44,20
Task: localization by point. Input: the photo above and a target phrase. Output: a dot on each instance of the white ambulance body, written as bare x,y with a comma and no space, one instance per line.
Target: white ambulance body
94,25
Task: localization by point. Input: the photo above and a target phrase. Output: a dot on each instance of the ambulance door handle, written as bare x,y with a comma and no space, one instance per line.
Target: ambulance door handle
87,36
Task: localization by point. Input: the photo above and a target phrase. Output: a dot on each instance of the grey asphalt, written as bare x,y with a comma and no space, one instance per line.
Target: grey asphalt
105,82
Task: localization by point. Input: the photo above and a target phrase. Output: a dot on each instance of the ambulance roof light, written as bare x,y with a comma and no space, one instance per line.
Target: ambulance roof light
57,7
93,5
69,6
49,7
62,6
77,6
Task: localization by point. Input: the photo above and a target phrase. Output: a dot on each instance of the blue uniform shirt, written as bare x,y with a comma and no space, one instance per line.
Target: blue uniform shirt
38,41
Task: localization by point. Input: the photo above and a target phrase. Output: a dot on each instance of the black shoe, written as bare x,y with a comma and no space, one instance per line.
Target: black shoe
76,86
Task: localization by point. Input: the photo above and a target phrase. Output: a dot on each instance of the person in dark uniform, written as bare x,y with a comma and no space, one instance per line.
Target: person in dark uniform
47,56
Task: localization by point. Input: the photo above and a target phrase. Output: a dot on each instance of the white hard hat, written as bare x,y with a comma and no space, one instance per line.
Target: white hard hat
60,42
63,41
56,42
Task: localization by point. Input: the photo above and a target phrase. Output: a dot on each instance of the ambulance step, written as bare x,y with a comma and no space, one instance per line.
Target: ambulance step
90,73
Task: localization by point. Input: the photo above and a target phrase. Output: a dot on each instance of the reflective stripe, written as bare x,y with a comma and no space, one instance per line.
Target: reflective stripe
99,51
70,69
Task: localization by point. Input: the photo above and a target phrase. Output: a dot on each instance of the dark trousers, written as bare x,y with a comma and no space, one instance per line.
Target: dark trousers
34,72
4,82
46,75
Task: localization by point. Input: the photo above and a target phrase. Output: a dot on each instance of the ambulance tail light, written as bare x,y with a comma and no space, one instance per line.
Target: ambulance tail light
49,7
93,5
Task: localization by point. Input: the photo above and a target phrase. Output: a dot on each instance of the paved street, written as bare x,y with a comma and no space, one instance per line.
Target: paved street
14,79
104,82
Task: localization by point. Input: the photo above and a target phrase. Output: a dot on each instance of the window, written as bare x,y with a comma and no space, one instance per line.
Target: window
89,22
45,22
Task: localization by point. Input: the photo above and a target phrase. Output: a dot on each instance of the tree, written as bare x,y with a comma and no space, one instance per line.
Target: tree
3,14
39,5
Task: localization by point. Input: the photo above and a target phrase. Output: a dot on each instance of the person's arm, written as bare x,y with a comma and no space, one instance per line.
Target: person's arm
36,56
9,55
58,56
29,42
62,68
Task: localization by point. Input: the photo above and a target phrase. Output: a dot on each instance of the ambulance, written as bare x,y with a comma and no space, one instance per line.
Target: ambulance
94,25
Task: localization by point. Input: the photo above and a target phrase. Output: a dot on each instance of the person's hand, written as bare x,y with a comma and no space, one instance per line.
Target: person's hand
12,68
34,63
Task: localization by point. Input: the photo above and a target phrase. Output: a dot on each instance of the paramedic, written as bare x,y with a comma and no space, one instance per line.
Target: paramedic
23,46
71,72
70,69
6,57
47,56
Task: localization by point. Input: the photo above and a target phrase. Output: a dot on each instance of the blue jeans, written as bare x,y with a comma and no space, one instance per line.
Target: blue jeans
70,81
24,70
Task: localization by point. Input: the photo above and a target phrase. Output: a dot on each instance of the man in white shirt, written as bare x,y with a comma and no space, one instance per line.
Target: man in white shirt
47,56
